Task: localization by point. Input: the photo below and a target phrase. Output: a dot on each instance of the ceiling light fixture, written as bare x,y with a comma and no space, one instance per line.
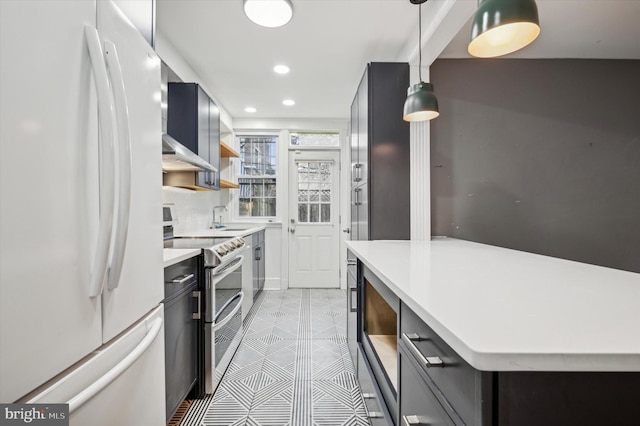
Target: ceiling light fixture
250,109
421,103
289,102
281,69
269,13
501,27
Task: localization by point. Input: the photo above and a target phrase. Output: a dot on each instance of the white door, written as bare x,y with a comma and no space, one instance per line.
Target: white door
48,192
314,248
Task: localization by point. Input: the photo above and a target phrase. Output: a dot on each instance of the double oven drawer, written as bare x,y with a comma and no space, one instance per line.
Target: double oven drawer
457,383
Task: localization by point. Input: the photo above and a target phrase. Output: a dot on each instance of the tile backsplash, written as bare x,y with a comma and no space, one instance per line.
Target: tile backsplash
194,209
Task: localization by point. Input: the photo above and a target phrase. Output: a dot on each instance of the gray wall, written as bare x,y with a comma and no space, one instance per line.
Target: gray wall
539,155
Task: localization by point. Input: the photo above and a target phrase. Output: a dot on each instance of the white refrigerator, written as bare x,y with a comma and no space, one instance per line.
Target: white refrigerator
81,275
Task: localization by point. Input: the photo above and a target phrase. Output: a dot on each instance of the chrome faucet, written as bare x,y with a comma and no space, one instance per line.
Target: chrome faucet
218,224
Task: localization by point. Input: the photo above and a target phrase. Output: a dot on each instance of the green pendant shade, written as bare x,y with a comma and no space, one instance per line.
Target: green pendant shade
421,103
501,27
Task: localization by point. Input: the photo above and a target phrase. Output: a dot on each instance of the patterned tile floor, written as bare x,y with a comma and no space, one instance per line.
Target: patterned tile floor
292,367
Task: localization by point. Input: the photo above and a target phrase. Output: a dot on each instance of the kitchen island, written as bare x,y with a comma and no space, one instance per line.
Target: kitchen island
500,336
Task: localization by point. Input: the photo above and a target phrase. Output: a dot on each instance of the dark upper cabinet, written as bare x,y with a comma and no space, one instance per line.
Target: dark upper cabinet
380,155
193,119
214,141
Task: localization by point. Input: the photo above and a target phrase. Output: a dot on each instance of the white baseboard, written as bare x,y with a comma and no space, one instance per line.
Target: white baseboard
272,284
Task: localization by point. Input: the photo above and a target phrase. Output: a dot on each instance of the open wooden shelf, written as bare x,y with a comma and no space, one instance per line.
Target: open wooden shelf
225,184
227,152
386,346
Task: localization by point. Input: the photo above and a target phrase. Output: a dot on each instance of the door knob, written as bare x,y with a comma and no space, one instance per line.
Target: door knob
346,230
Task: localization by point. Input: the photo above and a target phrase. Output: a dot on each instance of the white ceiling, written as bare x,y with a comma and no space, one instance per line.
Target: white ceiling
329,42
327,45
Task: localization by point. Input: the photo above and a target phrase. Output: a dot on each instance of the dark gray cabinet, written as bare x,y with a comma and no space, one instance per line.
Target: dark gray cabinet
453,376
380,155
258,262
193,119
418,405
182,332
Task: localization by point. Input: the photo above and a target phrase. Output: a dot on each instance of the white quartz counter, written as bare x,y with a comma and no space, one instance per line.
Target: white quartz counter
230,231
173,256
507,310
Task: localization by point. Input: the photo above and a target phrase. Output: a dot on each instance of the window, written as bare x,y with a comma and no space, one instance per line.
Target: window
257,176
314,139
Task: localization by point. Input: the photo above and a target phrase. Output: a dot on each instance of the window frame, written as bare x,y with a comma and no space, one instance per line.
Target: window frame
275,177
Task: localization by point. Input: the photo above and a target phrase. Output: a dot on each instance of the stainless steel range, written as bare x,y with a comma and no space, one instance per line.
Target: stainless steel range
223,297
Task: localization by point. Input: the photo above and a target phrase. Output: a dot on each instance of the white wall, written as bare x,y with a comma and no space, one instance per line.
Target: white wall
170,56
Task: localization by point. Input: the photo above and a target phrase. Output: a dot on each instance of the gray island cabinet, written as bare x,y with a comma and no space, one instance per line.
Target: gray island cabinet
452,332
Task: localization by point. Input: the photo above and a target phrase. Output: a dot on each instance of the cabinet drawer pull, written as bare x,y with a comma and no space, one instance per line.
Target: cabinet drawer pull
182,279
353,291
428,361
375,415
415,421
197,295
368,396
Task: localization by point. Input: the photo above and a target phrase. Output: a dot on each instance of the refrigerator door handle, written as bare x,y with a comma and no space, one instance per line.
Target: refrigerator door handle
106,118
118,369
124,162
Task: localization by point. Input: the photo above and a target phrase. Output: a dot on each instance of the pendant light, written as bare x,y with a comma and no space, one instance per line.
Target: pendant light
269,13
421,103
501,27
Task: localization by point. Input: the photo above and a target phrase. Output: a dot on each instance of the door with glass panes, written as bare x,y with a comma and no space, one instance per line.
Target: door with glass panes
314,248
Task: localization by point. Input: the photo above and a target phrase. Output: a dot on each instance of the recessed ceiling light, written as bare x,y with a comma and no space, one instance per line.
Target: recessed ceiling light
250,109
289,102
281,69
269,13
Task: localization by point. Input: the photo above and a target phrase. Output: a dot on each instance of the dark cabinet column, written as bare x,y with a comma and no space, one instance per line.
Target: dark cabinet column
380,198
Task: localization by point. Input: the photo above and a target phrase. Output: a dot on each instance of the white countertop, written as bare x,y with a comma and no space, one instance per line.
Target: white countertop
230,231
509,310
173,256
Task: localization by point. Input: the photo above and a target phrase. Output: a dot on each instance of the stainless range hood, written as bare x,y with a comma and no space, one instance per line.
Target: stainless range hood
178,158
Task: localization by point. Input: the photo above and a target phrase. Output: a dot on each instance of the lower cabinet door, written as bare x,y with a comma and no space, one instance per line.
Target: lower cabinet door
372,404
418,404
181,356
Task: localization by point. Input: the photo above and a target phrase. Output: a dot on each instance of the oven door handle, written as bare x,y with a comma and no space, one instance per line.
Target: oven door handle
218,325
215,279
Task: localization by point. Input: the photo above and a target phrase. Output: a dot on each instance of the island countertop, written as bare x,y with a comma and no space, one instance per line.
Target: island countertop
508,310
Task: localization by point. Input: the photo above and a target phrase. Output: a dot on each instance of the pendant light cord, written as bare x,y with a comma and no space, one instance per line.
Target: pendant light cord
420,41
